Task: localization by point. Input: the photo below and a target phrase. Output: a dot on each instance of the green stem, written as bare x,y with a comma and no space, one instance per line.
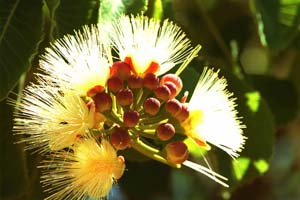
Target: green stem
153,125
145,134
137,95
151,152
146,119
141,100
113,117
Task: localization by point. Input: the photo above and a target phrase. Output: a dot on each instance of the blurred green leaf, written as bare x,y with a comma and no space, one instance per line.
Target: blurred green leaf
261,165
278,19
240,166
135,6
109,9
189,77
158,9
20,33
281,96
72,14
253,99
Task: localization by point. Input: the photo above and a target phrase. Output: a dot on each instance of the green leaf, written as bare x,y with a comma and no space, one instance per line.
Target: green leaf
158,9
135,6
281,96
73,14
109,9
240,166
190,78
278,19
20,33
261,165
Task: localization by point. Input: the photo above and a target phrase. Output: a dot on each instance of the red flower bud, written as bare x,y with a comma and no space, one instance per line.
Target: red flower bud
165,131
120,139
177,152
103,102
131,118
114,84
125,97
173,78
94,90
172,88
135,82
152,106
120,69
173,106
183,114
151,81
162,92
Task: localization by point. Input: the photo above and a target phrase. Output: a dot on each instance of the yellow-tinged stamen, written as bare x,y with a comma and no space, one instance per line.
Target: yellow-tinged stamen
90,170
190,128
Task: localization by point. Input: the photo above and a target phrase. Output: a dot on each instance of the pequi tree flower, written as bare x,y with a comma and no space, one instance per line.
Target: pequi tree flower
148,45
89,169
80,62
82,93
213,117
51,120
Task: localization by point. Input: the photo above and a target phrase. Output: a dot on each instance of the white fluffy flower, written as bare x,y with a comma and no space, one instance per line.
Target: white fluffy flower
213,116
88,171
50,120
78,62
148,45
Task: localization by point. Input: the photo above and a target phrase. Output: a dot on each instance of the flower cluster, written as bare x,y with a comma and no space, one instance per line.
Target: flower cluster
88,106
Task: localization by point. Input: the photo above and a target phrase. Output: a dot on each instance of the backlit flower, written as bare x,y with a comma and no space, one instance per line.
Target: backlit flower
51,120
213,116
78,62
89,171
148,45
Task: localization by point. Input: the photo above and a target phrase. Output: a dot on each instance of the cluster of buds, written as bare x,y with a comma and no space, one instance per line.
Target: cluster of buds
87,107
143,107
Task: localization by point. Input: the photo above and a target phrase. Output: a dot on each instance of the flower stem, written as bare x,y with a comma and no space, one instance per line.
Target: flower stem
151,152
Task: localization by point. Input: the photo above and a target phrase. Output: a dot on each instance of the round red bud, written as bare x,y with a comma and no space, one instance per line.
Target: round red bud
120,69
173,106
103,102
177,152
162,92
172,88
173,78
135,82
152,106
120,139
165,131
94,90
131,118
125,97
151,81
115,84
183,114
